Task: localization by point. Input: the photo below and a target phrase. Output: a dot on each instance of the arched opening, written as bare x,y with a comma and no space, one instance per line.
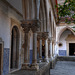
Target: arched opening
14,48
66,43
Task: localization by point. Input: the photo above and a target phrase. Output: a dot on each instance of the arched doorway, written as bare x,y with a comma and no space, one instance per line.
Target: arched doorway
66,42
14,48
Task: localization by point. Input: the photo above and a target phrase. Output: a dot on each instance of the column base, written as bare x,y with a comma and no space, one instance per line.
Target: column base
27,66
34,66
46,60
40,60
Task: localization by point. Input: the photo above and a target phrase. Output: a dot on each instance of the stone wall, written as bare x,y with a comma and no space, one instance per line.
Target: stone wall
6,13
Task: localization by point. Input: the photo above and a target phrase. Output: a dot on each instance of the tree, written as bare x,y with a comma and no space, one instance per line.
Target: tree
67,11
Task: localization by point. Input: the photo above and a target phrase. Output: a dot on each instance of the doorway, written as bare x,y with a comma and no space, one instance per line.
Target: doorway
14,49
72,49
0,57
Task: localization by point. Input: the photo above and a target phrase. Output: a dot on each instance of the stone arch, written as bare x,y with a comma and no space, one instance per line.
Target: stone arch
63,31
14,59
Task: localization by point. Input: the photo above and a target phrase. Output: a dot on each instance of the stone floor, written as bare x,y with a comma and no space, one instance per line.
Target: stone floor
27,72
64,68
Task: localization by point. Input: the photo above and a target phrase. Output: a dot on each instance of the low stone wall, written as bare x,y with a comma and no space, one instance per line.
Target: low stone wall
66,58
45,70
53,62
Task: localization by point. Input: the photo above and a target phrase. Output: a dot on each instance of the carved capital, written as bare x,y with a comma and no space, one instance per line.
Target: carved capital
30,24
39,35
45,35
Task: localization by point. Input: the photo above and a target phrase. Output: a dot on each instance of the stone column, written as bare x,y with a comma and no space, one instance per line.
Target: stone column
49,48
46,50
26,49
40,47
34,60
26,63
33,25
53,45
45,37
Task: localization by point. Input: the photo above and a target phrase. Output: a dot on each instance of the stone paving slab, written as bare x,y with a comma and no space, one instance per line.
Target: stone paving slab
42,67
63,68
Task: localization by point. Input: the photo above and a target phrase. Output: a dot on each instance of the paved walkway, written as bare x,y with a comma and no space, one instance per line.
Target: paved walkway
64,68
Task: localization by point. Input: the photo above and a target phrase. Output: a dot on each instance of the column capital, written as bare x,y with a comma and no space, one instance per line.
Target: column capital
45,35
39,35
30,24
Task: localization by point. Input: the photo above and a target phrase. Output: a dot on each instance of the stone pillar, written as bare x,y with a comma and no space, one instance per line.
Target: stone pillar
46,50
26,49
26,63
45,37
51,49
33,25
40,47
34,60
53,45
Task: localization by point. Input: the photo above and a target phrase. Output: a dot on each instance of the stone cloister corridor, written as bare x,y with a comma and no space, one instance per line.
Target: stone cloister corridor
34,40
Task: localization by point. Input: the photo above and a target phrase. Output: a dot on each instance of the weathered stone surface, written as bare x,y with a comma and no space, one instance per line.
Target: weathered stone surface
66,58
64,68
53,62
44,70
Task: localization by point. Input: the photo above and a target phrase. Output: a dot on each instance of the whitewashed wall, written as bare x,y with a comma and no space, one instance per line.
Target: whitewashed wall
63,39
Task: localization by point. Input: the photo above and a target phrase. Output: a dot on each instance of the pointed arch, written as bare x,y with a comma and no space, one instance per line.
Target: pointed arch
14,59
64,30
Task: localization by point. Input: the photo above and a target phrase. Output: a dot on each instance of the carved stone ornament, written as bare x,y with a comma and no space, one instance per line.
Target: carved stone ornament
45,35
30,24
39,35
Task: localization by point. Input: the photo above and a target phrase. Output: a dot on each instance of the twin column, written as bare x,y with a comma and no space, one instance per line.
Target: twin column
27,25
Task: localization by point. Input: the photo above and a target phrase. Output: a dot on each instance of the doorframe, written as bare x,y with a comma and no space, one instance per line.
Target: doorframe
1,42
67,46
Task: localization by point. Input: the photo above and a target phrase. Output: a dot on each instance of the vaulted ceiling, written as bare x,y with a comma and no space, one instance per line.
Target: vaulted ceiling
16,4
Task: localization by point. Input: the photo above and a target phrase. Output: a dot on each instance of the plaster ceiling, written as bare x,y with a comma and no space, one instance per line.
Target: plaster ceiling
16,4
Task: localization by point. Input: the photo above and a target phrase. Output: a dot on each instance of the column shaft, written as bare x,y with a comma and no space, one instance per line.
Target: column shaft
40,48
51,49
34,48
46,49
26,49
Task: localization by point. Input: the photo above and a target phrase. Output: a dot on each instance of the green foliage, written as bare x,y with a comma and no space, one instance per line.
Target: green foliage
67,10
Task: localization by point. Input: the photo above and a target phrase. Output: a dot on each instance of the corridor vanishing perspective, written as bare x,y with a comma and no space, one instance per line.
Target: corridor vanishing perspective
35,35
